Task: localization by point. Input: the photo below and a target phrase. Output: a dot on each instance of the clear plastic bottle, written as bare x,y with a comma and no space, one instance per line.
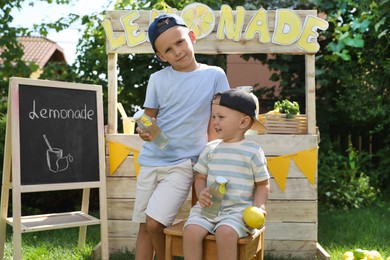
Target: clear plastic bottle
249,89
149,126
217,190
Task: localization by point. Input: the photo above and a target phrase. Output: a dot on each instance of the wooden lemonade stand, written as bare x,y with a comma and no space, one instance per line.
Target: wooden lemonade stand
292,221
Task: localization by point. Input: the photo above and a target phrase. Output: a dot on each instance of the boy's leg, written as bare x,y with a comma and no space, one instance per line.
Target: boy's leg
143,247
156,233
193,241
174,183
226,238
146,184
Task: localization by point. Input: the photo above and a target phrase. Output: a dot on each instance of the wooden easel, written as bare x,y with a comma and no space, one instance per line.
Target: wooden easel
13,179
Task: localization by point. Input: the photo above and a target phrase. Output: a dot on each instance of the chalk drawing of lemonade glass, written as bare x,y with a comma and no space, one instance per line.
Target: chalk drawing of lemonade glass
55,159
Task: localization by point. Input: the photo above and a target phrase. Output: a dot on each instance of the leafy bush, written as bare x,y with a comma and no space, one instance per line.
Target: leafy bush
343,180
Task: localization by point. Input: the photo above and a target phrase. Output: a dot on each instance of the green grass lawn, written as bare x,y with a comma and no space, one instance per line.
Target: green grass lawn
345,230
338,231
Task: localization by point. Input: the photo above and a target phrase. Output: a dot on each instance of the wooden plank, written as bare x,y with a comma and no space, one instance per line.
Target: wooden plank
289,245
279,144
54,221
272,144
296,189
122,209
126,169
214,46
143,21
285,254
291,231
122,228
133,141
118,187
321,253
291,211
210,44
121,244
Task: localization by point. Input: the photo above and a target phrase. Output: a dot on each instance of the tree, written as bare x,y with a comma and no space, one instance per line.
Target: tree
11,55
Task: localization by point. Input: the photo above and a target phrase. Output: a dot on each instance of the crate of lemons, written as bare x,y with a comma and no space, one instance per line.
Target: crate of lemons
361,254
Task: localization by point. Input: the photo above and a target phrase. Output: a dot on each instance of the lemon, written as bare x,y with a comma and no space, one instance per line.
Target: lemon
374,255
199,18
358,254
253,217
348,254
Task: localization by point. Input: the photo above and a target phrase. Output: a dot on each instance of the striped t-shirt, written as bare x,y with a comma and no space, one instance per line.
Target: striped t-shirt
242,163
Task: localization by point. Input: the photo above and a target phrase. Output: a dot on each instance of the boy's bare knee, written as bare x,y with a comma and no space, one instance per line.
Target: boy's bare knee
154,226
226,231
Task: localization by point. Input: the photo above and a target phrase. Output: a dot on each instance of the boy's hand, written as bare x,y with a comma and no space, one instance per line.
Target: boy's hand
204,198
143,135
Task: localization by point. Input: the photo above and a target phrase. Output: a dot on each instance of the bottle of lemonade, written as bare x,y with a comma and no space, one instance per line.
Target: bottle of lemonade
149,126
217,190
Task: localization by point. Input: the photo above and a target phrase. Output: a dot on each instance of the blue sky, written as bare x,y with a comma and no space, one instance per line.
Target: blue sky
43,12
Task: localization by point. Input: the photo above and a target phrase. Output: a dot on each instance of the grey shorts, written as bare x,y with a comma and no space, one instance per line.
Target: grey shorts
233,220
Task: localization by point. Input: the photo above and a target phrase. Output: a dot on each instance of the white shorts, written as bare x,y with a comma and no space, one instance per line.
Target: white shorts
162,191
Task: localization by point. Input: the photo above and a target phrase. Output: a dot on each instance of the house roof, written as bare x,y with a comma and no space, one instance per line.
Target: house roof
39,50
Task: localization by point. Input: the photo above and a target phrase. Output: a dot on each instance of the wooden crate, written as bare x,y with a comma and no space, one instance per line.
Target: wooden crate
279,124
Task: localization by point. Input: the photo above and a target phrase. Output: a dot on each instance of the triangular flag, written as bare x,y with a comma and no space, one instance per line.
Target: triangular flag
136,165
117,154
306,161
278,167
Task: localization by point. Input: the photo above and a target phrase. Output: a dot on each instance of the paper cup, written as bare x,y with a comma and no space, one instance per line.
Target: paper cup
128,125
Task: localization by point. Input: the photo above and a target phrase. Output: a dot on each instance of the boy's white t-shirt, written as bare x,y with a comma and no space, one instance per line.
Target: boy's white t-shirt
184,103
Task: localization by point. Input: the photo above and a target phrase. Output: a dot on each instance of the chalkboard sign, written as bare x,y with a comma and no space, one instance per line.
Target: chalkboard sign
54,141
58,129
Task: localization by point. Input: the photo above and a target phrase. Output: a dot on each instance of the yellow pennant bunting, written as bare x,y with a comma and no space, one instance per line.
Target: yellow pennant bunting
118,153
278,167
306,161
136,165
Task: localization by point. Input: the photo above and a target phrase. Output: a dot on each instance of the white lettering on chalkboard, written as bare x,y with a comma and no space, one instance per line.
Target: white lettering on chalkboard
55,159
48,113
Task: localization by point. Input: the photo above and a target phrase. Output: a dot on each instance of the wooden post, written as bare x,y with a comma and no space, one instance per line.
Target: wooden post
84,208
112,127
310,93
6,186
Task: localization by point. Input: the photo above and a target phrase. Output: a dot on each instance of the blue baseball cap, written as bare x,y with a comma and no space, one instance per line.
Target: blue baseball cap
162,23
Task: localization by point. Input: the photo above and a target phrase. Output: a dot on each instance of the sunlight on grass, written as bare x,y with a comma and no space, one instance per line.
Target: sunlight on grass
345,230
54,244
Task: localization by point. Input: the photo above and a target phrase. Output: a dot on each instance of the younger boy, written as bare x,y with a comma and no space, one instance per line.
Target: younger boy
179,97
239,160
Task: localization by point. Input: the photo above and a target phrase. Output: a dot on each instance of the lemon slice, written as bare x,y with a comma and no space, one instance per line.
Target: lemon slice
199,18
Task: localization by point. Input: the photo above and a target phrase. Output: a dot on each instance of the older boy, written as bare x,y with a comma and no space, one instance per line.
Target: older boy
239,160
179,97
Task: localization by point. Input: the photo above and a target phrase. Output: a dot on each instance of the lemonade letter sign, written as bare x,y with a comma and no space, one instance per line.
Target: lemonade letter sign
221,31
